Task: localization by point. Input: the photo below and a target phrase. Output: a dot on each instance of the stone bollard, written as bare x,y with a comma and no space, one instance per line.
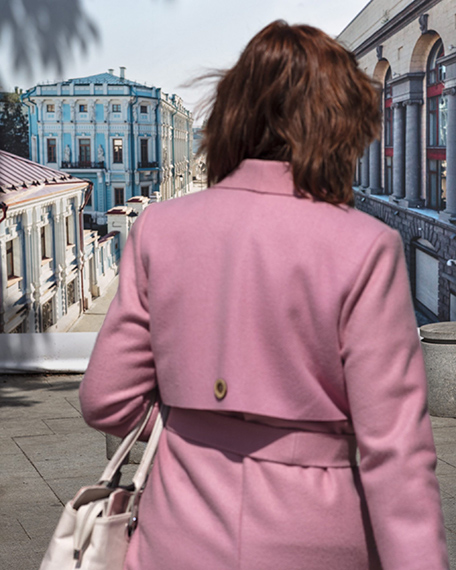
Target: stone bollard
438,341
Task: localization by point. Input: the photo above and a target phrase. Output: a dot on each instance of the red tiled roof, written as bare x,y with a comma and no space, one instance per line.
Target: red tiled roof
17,173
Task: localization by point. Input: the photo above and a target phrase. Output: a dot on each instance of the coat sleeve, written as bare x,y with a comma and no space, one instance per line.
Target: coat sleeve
120,376
386,388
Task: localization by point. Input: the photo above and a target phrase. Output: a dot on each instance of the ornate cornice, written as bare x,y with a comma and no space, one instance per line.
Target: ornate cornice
412,12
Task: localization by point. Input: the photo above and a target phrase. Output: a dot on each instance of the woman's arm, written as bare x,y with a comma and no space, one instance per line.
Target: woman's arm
117,386
386,387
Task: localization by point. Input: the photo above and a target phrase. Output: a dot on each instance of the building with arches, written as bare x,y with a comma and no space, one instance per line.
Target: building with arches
408,177
126,138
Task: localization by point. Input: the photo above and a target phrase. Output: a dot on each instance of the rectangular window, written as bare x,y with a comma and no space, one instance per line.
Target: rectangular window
83,108
145,191
388,126
388,174
71,293
47,314
51,150
44,248
144,152
69,230
443,119
117,150
10,259
50,108
119,197
84,152
143,109
116,108
436,184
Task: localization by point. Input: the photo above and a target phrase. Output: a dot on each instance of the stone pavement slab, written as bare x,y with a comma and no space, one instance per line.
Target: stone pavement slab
47,453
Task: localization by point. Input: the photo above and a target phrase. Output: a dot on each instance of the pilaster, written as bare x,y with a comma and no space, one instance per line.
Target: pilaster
450,92
413,154
375,169
399,151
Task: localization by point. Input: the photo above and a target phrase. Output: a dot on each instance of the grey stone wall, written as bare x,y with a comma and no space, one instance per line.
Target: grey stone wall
414,224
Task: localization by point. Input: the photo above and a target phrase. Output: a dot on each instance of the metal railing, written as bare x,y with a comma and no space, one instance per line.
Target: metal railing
82,164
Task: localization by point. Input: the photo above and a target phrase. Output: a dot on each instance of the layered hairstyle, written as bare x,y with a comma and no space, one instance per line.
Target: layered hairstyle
295,95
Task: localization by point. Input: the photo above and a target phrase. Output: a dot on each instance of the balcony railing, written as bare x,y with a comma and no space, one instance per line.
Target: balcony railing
82,164
146,164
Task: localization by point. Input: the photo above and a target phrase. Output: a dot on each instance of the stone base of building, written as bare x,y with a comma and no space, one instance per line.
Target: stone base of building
426,231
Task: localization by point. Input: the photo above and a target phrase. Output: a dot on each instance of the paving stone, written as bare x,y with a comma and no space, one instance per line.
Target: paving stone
444,468
23,426
444,435
19,492
447,452
442,422
448,484
39,521
66,488
58,456
67,426
74,401
17,465
8,446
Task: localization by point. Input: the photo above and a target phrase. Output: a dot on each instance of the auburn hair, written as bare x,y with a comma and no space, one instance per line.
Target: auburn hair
295,95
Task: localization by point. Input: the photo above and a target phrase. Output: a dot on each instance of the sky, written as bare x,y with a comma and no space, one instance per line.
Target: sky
167,43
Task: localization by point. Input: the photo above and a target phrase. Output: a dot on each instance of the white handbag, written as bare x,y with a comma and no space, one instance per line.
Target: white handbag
95,528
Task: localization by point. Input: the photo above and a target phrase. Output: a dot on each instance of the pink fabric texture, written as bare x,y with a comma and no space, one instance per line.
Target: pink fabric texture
304,309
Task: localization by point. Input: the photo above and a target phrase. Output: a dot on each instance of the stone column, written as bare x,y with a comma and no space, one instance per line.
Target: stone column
450,210
399,151
449,214
413,154
375,170
365,169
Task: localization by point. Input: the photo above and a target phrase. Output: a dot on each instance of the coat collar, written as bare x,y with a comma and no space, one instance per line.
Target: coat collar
264,176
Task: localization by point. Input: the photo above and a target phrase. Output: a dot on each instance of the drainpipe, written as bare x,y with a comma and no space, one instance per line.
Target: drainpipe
173,152
158,147
133,100
24,96
87,195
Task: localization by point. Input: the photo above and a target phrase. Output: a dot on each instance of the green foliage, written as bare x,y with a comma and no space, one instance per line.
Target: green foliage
14,132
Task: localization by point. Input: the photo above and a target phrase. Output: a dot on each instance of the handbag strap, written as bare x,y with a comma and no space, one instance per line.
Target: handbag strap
145,464
116,461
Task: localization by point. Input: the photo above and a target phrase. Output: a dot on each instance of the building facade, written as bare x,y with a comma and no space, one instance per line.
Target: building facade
51,268
127,139
408,178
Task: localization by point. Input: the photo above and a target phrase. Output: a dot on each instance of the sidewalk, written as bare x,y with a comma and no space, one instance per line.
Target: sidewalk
92,319
47,453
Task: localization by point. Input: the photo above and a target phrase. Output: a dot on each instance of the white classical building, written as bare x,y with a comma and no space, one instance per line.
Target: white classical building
51,268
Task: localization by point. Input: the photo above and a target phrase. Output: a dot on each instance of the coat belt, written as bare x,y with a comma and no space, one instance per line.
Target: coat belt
263,442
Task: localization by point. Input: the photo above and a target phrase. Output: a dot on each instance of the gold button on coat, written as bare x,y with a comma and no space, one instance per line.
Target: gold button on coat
220,388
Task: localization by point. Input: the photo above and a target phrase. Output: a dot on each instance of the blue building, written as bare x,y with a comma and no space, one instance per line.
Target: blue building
127,139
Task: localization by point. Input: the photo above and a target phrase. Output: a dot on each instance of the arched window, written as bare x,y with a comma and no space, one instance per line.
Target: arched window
437,112
388,132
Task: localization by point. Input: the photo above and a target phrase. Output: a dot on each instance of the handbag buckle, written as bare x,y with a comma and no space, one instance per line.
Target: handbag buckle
133,522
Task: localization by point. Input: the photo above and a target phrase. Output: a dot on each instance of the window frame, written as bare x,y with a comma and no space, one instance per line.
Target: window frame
119,191
51,150
82,144
116,108
435,144
10,273
117,151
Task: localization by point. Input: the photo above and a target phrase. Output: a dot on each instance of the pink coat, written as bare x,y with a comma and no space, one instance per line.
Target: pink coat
303,309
